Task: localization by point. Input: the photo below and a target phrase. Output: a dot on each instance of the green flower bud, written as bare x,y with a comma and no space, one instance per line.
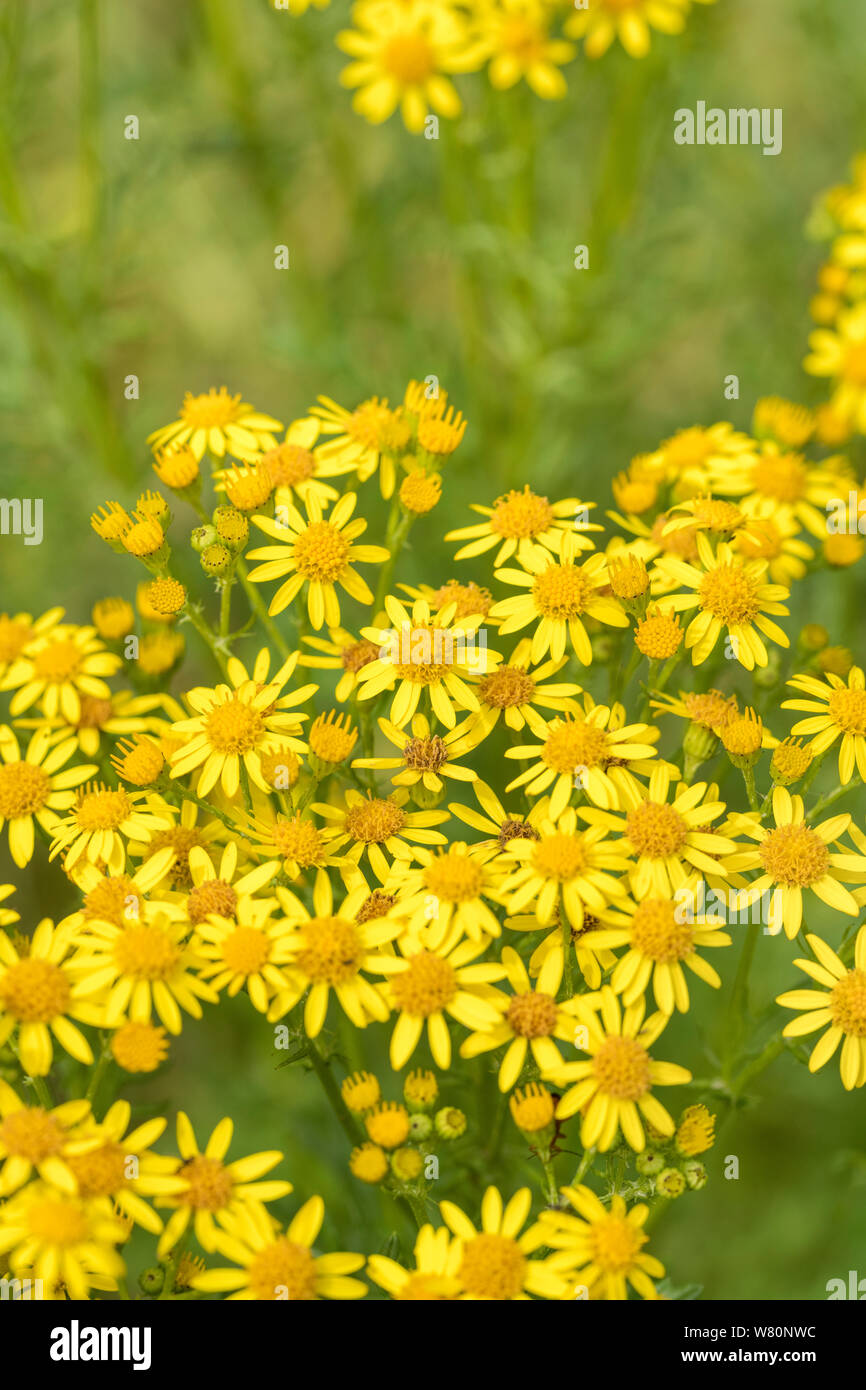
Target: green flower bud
420,1126
407,1164
450,1123
695,1174
216,560
202,537
151,1280
232,527
649,1162
670,1183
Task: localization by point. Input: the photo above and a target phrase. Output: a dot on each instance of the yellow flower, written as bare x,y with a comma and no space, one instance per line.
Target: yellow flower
630,21
244,950
836,710
55,1235
709,708
561,594
795,858
369,1163
563,865
235,724
183,835
362,439
785,421
295,470
422,986
518,692
35,1139
215,1189
516,35
101,820
99,1160
426,651
39,996
121,713
361,1091
604,1246
781,483
401,55
113,618
318,553
614,1088
519,521
434,1278
18,630
34,788
443,898
218,423
341,651
426,757
841,1004
295,840
695,1131
662,934
327,950
60,668
139,1047
772,535
597,752
275,1266
732,596
500,824
531,1019
496,1262
372,825
840,353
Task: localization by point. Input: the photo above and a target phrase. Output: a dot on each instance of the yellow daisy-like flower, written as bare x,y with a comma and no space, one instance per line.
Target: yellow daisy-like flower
434,1278
519,521
121,713
143,966
183,835
592,961
840,1004
600,22
733,597
563,866
662,935
531,1019
372,825
139,1047
101,822
773,535
39,997
99,1155
517,692
614,1087
331,950
689,458
235,725
597,753
218,423
516,34
318,553
218,889
35,1139
837,710
57,1236
426,757
496,1261
795,858
561,594
295,840
34,788
498,823
709,708
782,482
667,837
785,421
402,54
363,439
422,986
430,652
215,1189
246,950
443,898
295,470
276,1266
17,630
840,354
342,651
604,1245
60,668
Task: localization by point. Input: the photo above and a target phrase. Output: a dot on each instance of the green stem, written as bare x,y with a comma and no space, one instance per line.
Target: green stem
259,607
332,1091
751,789
834,796
194,615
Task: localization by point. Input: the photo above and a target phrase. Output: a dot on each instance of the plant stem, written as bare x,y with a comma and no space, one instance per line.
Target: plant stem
332,1091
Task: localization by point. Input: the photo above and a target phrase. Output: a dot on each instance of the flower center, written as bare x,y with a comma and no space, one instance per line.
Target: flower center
210,411
107,902
656,830
283,1270
34,990
848,710
422,644
560,856
783,477
59,662
102,809
521,515
712,709
234,727
493,1267
622,1068
13,636
213,896
31,1134
848,1003
378,904
181,839
359,654
99,1172
56,1222
246,950
146,953
299,841
367,424
321,552
682,542
94,713
24,789
717,515
409,58
375,820
288,465
427,986
730,594
515,830
426,754
562,591
454,877
615,1244
532,1015
573,744
333,950
506,687
794,855
210,1186
656,933
470,598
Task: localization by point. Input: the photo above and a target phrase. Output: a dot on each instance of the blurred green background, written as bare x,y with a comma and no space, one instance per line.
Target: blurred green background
155,257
